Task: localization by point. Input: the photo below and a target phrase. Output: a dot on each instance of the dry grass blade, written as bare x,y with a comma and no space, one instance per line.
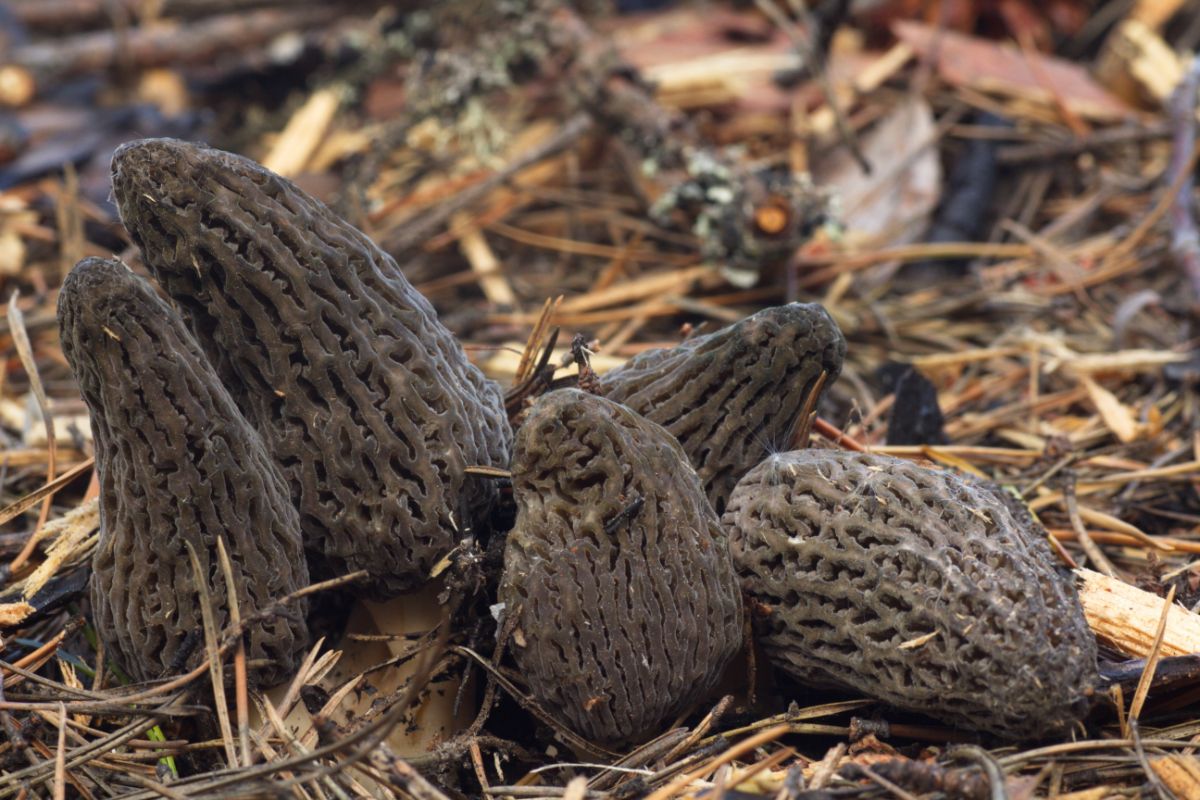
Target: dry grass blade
13,510
241,689
1143,687
60,756
215,667
734,752
16,324
533,344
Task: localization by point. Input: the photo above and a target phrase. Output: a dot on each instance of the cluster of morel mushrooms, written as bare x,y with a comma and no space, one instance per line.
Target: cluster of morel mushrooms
301,408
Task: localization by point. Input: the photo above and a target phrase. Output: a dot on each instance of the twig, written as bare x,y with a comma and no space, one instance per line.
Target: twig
1093,551
162,45
1143,687
216,671
810,56
415,232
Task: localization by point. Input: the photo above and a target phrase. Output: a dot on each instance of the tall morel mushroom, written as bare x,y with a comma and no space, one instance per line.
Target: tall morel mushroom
367,402
178,466
626,604
912,586
734,396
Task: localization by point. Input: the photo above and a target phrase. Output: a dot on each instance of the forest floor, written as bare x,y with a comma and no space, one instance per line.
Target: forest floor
994,201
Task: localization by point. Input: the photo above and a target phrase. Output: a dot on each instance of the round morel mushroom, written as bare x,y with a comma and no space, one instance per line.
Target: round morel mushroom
734,396
626,604
366,401
912,586
178,465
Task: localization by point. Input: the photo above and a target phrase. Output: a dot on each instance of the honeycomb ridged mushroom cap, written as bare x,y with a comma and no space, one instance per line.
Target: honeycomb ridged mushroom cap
913,586
365,400
736,395
617,573
178,468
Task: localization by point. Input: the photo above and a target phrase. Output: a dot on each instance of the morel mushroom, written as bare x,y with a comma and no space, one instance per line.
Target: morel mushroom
367,402
178,465
913,586
626,604
734,396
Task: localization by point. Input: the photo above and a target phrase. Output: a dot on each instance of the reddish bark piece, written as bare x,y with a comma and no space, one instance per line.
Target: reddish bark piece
991,66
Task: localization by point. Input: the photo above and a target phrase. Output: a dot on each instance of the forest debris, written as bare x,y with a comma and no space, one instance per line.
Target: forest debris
302,135
1122,362
17,86
71,533
1180,774
159,45
483,261
1154,14
502,364
1116,415
1137,65
25,415
1125,617
892,204
539,172
14,613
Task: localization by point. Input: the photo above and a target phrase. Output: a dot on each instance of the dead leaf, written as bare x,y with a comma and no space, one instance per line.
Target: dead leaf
1116,415
891,205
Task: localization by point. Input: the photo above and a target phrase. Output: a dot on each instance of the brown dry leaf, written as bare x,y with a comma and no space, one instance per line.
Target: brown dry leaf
1003,69
891,205
377,632
1116,415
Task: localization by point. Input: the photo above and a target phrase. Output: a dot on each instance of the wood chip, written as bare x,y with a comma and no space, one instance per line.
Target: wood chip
1126,618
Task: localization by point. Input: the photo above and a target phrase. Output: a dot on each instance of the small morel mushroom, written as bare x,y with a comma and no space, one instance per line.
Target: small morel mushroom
178,465
734,396
367,402
913,586
626,603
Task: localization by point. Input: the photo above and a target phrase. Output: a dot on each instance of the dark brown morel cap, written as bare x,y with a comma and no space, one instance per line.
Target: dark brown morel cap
626,604
366,401
912,586
178,465
734,396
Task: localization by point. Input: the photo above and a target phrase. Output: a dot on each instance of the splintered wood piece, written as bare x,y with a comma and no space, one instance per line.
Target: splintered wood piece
1180,774
295,146
1126,617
